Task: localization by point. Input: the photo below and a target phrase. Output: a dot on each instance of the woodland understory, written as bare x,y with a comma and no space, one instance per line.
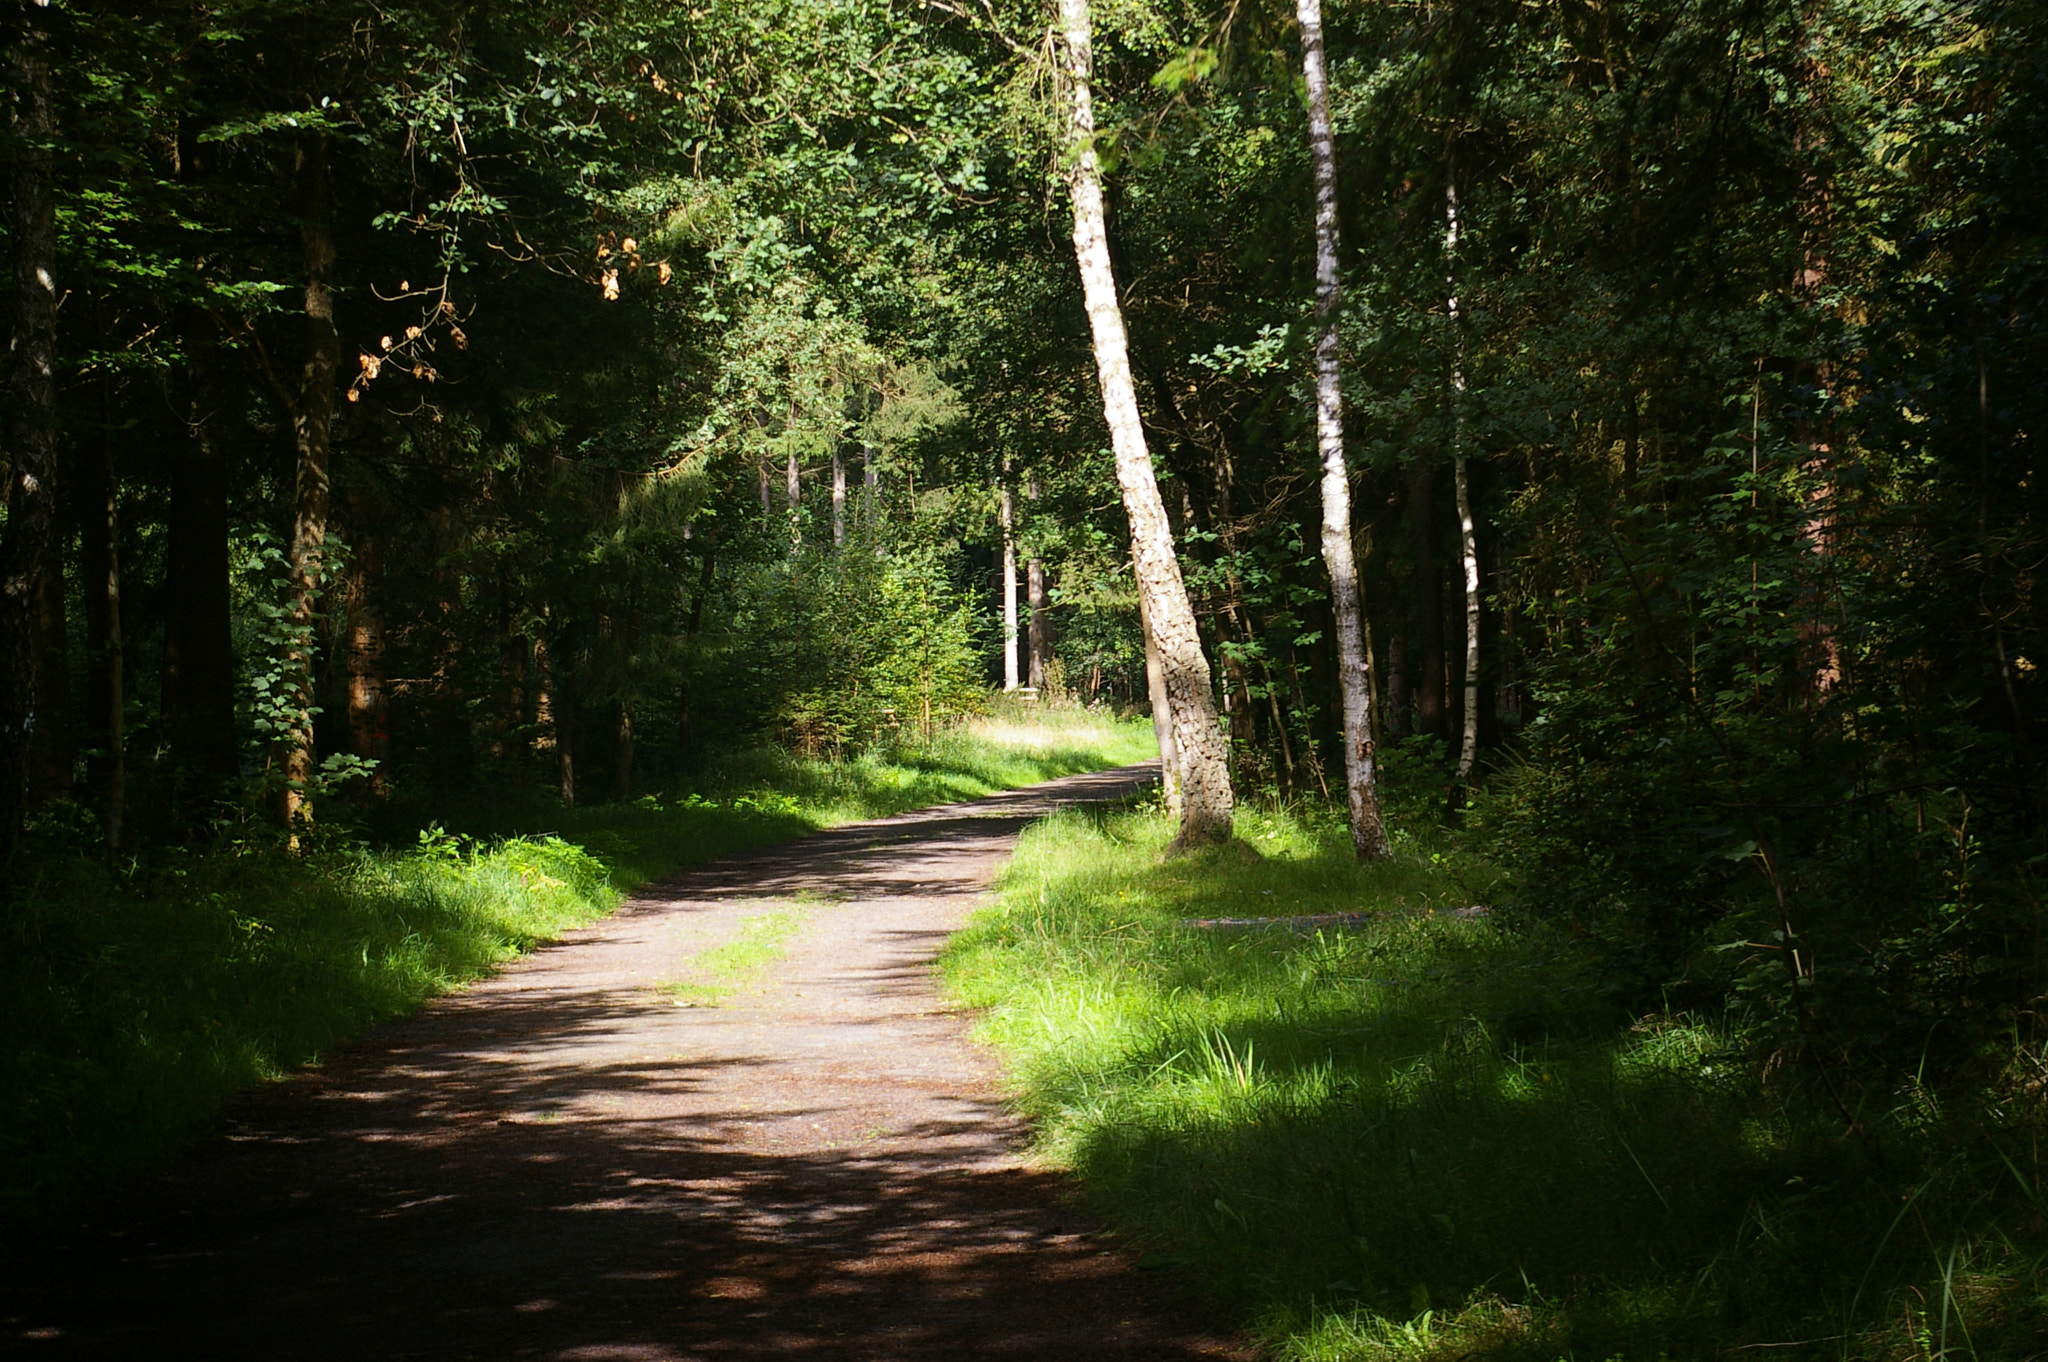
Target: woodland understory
1610,425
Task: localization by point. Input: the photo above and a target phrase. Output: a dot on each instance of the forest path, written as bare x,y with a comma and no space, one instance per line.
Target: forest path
563,1162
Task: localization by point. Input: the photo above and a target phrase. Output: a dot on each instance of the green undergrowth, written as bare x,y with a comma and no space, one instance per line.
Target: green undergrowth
135,996
1437,1136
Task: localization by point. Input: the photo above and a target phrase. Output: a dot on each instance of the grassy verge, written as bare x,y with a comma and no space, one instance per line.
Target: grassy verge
135,997
1435,1137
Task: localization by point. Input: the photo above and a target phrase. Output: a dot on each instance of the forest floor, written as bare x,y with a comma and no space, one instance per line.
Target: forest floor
734,1119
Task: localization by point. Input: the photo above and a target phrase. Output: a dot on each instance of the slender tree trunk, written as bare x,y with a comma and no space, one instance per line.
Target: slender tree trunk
562,710
312,427
1429,602
198,657
625,751
793,489
1007,513
1038,626
1354,673
369,704
1206,796
1468,539
51,746
838,497
1397,685
100,573
31,491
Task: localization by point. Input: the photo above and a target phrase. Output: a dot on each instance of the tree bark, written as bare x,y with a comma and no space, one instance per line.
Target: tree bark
31,491
369,704
99,562
1468,539
1368,831
838,497
1007,513
1206,796
312,425
51,746
1038,626
1162,717
1429,602
198,657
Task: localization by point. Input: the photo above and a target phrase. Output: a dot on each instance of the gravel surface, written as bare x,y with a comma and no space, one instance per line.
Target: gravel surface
566,1161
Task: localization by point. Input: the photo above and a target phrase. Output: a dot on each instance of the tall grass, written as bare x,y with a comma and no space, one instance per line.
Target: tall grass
1435,1136
135,996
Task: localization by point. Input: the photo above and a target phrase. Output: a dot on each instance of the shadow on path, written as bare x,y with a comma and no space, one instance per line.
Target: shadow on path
563,1163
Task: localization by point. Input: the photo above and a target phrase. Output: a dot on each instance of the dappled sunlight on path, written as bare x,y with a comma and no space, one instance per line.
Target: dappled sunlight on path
568,1161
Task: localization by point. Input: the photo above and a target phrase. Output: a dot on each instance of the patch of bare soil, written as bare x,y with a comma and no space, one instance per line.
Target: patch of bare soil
566,1162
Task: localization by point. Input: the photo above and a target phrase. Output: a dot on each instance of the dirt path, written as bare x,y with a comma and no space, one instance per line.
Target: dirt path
562,1162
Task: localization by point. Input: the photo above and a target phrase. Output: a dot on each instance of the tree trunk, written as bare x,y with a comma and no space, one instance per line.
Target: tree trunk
369,705
562,710
1468,540
99,565
312,425
1397,685
31,430
51,745
838,497
1007,513
1162,717
1038,620
1206,795
1429,602
1038,627
199,657
1354,674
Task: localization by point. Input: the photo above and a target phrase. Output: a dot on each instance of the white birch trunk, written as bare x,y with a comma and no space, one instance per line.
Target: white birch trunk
838,498
1162,717
1468,538
1206,797
1008,513
1368,831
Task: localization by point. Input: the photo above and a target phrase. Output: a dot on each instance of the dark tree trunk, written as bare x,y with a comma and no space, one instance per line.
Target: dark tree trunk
369,702
25,544
1430,717
199,656
99,564
1039,626
312,422
51,745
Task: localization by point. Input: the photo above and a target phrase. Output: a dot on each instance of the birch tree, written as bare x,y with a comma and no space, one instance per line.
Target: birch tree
1169,619
1368,831
1468,538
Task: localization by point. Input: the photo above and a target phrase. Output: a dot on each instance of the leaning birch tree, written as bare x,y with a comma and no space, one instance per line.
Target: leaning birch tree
1169,619
1368,831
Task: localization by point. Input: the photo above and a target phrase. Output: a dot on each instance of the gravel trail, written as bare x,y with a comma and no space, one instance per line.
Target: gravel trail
570,1161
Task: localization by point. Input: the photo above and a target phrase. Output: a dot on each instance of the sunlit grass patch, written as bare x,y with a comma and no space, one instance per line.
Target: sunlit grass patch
716,974
1433,1135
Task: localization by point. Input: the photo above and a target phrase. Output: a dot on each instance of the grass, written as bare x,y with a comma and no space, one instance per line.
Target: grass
135,998
718,973
1436,1137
